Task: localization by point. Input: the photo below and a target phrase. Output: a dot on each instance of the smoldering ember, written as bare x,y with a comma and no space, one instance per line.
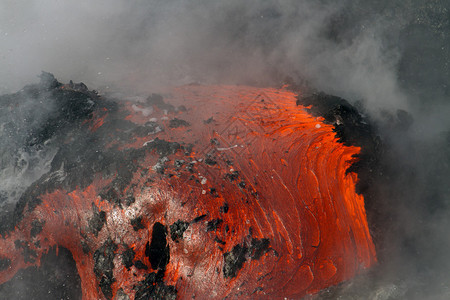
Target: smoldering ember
202,192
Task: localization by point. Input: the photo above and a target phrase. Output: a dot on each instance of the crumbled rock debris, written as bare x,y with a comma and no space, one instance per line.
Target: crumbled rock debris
209,161
224,208
129,200
29,255
97,221
163,147
148,129
140,265
208,121
120,295
258,248
111,195
222,242
232,176
36,227
179,163
213,224
214,192
235,259
350,127
73,107
190,167
175,123
128,257
85,247
33,203
177,229
81,156
188,148
4,263
137,223
158,101
198,219
153,287
104,266
160,166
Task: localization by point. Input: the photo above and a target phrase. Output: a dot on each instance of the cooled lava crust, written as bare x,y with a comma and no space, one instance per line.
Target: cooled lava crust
203,192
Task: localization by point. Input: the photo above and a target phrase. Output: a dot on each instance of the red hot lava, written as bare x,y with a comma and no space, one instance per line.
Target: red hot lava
211,192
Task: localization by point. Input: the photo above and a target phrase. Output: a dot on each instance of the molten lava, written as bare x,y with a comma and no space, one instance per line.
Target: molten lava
211,192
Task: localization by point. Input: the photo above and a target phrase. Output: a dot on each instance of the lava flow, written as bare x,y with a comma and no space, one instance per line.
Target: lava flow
207,192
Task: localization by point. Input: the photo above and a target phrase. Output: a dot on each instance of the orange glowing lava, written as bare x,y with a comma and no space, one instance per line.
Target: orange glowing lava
259,185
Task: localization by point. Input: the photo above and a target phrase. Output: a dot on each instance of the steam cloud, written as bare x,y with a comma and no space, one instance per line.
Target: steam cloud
383,57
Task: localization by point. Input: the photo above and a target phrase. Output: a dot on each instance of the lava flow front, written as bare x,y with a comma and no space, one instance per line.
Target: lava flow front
207,192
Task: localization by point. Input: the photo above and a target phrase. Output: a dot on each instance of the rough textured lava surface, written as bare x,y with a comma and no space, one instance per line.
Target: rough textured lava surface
200,192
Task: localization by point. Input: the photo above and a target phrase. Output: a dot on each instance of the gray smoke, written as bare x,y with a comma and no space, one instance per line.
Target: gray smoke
391,58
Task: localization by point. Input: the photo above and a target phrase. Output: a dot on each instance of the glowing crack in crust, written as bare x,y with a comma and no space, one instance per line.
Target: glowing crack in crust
211,191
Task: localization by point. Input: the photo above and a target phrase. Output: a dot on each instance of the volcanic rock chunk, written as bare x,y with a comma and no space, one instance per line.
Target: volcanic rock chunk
208,121
104,266
29,255
4,263
158,101
153,287
210,161
232,176
128,257
213,224
182,108
36,227
97,221
199,218
235,259
177,229
349,125
175,123
224,208
49,81
149,128
140,265
137,223
213,192
162,147
158,251
121,295
72,107
258,248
